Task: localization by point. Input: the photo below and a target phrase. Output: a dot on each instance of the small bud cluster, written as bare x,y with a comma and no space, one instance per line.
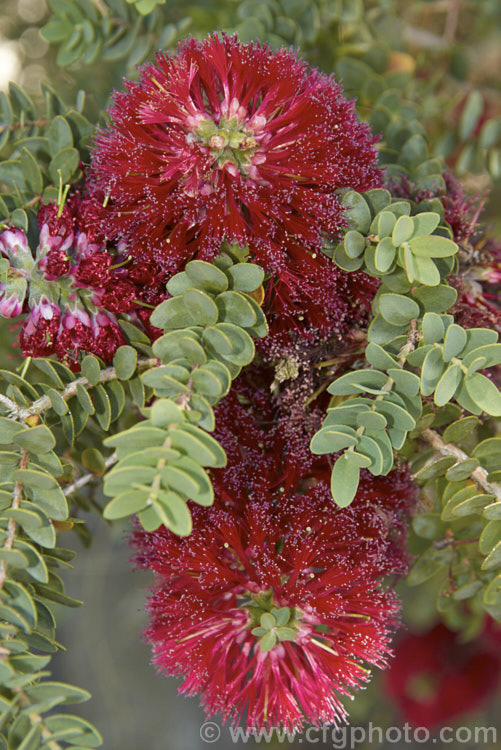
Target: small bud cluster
71,289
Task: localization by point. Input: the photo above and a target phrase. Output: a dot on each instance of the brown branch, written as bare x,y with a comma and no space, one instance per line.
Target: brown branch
412,339
25,124
451,21
86,478
33,201
10,405
447,449
44,402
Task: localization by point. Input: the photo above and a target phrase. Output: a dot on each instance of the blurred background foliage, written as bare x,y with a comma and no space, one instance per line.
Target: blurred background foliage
425,71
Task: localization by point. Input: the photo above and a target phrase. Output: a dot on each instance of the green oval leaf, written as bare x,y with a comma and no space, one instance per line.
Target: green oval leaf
330,440
433,246
201,307
125,362
484,393
354,244
397,309
448,384
344,480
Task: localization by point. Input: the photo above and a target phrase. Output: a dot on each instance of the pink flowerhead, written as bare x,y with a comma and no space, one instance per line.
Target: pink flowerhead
229,141
55,264
93,269
74,336
44,309
60,223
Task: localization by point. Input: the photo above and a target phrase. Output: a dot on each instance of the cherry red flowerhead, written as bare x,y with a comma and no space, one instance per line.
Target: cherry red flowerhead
270,610
229,141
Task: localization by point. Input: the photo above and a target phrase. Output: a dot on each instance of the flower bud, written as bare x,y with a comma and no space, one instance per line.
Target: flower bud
12,295
10,306
44,309
14,246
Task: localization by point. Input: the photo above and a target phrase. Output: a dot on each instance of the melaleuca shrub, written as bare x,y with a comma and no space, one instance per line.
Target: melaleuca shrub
271,603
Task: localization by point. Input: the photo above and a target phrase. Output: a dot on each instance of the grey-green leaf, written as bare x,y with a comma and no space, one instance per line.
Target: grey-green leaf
125,361
329,440
448,384
344,481
397,309
484,393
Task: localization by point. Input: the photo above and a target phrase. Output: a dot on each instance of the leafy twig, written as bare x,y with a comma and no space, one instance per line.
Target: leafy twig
44,402
447,449
12,525
37,719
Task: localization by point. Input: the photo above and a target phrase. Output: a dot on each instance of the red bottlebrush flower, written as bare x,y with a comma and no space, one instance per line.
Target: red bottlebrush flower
264,454
472,308
270,609
229,141
274,544
435,677
312,297
461,210
146,274
385,504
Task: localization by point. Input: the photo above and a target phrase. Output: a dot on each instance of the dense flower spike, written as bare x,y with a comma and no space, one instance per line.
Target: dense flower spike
229,141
